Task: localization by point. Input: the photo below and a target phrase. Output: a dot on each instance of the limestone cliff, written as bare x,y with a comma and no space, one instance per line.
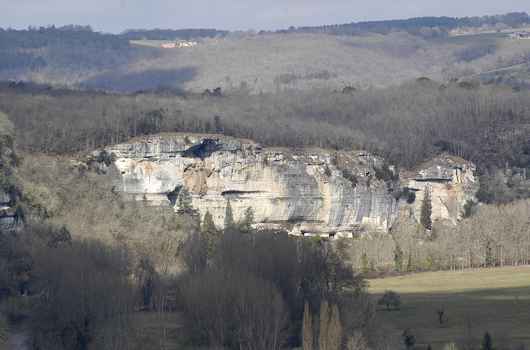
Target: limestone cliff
308,191
451,183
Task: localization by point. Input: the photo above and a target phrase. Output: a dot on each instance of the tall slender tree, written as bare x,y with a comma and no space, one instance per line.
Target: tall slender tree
398,257
184,202
229,217
211,234
334,341
307,329
323,331
248,220
426,209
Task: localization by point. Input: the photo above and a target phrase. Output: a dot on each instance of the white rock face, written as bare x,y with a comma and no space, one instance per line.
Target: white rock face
308,191
451,183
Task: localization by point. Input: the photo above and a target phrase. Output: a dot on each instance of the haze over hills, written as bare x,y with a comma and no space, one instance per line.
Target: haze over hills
359,54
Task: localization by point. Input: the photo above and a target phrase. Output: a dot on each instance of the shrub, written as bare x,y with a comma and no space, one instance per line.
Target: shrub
407,193
384,173
391,300
348,175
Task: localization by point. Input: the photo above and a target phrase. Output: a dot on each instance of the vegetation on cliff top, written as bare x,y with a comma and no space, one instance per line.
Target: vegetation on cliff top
406,124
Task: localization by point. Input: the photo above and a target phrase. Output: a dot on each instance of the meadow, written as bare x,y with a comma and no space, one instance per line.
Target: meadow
474,302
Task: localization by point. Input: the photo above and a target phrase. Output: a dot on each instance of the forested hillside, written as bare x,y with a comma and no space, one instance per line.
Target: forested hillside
383,54
426,26
62,55
406,124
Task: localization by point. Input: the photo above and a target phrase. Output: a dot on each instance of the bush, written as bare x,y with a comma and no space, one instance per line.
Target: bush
391,300
384,173
348,175
407,193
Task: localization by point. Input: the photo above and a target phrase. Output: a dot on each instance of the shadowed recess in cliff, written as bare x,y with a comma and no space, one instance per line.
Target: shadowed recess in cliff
233,194
141,81
202,150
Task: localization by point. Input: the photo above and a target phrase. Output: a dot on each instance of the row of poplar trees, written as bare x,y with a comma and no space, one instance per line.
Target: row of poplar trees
324,333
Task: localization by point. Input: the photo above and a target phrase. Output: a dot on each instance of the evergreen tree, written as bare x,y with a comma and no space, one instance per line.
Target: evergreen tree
487,343
229,217
426,209
248,220
398,258
184,203
211,234
307,329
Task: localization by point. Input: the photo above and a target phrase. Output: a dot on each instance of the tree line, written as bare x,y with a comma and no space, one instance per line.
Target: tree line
492,236
417,25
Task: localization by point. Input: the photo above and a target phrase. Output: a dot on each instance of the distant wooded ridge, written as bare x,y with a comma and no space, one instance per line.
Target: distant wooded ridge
413,25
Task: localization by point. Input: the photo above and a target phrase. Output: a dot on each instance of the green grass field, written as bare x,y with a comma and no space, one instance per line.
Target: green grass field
493,300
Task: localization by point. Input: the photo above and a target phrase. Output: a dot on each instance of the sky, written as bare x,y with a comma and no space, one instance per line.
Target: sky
118,15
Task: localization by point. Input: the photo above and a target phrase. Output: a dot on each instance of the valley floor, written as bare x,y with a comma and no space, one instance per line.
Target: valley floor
475,301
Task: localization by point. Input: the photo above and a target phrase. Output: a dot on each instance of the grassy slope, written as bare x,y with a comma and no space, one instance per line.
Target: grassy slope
369,60
494,300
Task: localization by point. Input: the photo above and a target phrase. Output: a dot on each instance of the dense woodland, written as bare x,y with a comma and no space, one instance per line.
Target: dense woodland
407,124
70,52
421,25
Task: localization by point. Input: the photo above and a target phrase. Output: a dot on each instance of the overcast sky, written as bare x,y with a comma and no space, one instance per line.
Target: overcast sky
117,15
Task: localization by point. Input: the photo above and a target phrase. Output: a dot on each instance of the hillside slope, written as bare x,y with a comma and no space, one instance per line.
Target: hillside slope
250,62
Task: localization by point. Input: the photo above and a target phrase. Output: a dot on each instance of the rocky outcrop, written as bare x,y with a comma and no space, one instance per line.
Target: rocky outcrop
308,191
451,185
